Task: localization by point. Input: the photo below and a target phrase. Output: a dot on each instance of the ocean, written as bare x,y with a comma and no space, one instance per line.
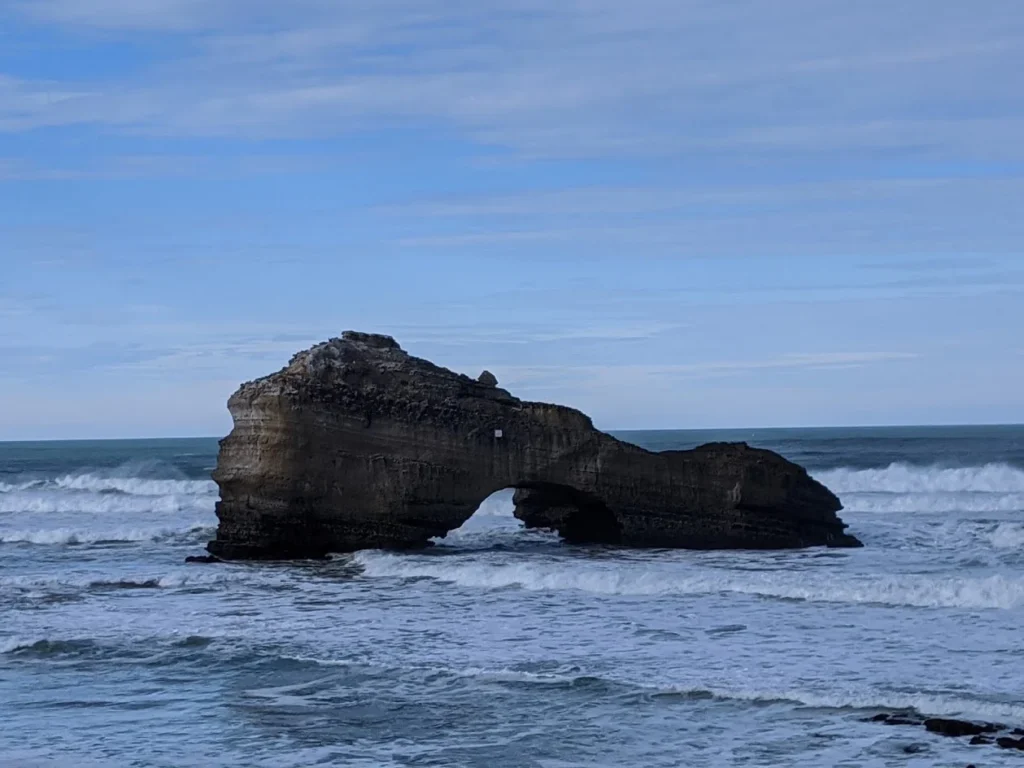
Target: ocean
504,647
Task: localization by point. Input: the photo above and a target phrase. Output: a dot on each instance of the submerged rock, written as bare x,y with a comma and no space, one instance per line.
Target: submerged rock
206,559
896,719
981,733
356,444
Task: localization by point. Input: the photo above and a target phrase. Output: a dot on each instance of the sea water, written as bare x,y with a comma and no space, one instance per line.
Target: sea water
505,647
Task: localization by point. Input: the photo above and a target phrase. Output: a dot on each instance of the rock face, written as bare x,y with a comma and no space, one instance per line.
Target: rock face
356,444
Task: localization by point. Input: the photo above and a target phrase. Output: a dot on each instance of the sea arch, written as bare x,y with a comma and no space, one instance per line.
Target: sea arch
357,444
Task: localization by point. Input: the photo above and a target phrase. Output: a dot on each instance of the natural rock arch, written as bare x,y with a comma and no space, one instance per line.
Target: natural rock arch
356,444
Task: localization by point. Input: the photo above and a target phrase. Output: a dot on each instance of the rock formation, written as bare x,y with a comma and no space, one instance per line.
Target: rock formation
981,733
356,444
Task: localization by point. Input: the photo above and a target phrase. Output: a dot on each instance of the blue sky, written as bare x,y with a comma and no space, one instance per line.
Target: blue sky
673,214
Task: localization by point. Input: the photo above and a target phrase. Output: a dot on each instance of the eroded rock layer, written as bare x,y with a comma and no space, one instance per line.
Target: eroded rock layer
356,444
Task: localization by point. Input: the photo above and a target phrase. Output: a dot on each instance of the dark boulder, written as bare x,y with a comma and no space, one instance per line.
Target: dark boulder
896,718
357,444
958,728
202,559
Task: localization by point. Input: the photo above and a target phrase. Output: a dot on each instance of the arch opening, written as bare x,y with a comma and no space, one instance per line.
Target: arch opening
574,516
578,517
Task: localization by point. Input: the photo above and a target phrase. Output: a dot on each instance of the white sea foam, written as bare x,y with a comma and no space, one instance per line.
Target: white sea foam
899,590
114,481
496,505
92,536
905,478
937,503
924,703
136,486
14,644
51,502
1006,536
110,506
965,537
899,488
22,485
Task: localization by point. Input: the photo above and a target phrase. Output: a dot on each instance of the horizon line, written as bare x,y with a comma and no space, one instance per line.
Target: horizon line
960,425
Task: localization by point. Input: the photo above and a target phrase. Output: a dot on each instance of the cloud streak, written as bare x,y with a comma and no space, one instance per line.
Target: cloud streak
766,78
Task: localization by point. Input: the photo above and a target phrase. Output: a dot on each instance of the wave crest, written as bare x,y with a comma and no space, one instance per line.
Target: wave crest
906,478
130,486
993,592
67,536
136,486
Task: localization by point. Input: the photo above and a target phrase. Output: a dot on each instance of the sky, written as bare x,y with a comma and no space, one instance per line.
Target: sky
667,213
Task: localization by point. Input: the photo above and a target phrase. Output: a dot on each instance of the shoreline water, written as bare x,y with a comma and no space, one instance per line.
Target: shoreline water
504,647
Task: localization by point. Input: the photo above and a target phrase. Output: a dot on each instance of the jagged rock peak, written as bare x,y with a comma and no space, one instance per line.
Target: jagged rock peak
488,379
378,340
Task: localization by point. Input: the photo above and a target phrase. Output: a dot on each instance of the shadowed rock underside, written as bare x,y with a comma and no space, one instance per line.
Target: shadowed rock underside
356,444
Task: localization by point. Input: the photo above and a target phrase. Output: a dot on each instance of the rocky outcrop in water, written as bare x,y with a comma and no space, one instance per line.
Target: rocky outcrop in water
981,733
357,444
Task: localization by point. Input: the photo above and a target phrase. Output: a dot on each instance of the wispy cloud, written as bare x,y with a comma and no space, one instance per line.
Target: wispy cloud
798,77
900,218
574,375
762,204
530,333
167,165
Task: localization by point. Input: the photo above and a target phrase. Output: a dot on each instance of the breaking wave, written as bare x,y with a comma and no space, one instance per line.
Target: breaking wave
126,504
137,478
905,478
136,486
925,704
1006,536
46,647
970,503
993,592
992,488
44,503
132,486
69,536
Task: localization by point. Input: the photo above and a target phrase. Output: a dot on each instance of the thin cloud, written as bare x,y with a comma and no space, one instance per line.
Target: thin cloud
549,374
702,76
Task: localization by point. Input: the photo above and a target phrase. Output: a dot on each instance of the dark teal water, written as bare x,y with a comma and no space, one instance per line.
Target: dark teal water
502,647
